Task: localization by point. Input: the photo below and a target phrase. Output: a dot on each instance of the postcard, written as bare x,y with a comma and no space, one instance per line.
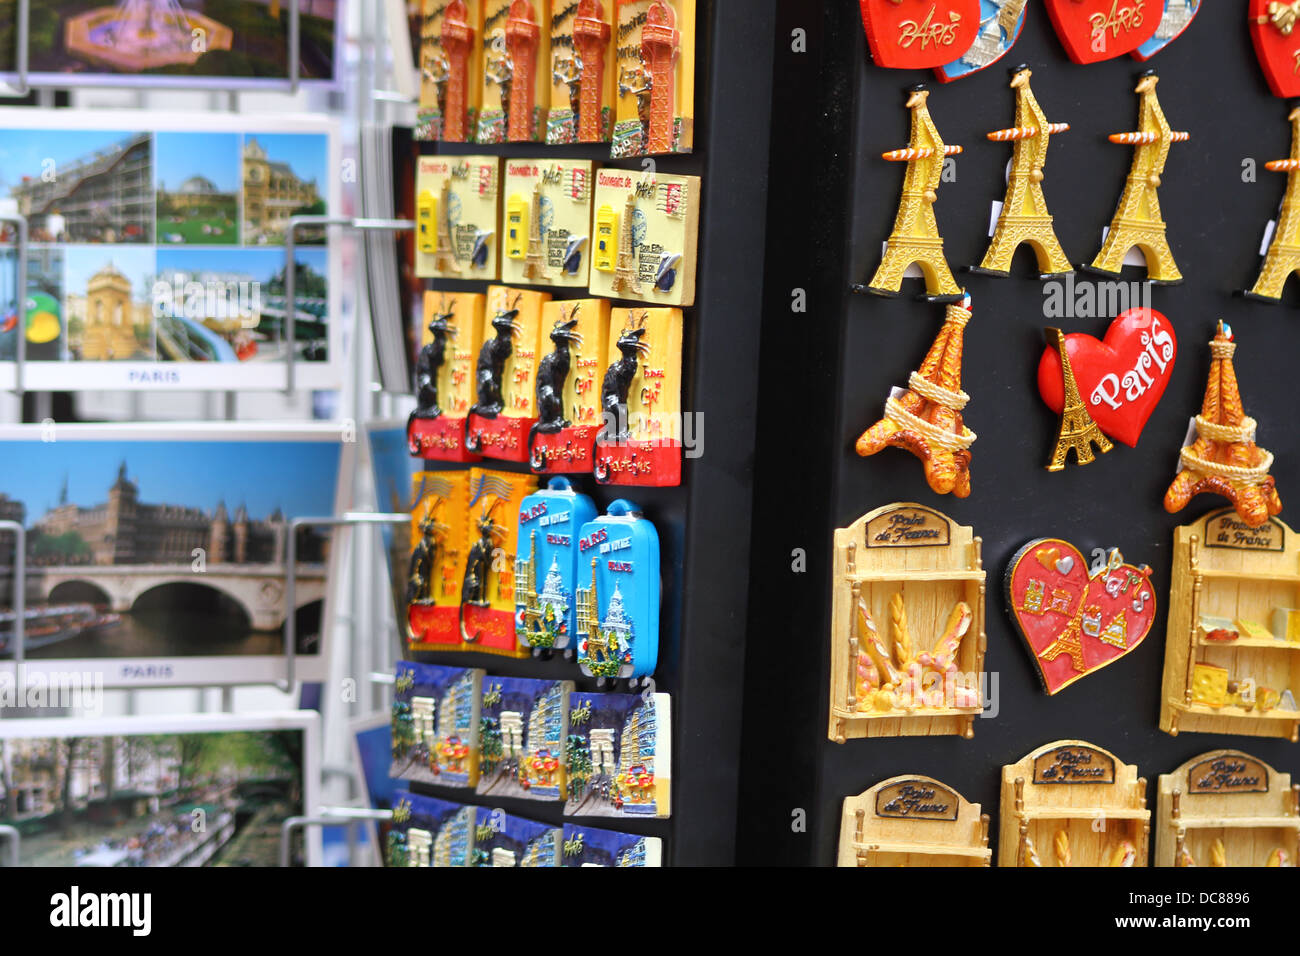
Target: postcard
157,554
159,790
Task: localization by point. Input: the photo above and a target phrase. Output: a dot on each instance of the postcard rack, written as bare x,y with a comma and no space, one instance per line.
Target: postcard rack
1227,808
913,821
1232,651
1070,803
913,574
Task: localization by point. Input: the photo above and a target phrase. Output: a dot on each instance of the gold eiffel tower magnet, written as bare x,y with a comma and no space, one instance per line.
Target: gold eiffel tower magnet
1077,429
1283,256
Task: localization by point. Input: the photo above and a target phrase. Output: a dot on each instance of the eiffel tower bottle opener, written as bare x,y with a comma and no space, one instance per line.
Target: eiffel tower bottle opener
1075,616
915,239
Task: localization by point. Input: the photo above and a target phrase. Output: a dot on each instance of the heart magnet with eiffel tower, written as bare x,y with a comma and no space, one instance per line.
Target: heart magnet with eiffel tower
1076,617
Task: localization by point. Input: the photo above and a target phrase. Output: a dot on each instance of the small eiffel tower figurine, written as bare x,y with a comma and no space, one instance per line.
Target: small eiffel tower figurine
1077,429
1283,256
1137,221
916,238
1070,643
1224,459
926,419
1024,217
445,257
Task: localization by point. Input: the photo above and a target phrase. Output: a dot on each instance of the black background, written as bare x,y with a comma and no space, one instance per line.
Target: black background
826,375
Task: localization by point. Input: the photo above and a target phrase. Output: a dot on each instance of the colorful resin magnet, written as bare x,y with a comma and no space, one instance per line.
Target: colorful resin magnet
583,78
1076,431
430,832
458,204
546,571
1223,458
1121,378
919,34
435,724
487,592
450,64
655,58
618,602
1283,256
1024,216
588,846
1000,24
516,85
546,231
524,726
618,756
444,380
505,839
1076,617
1137,221
569,412
1096,30
640,440
1277,44
1176,18
926,417
505,410
915,239
439,541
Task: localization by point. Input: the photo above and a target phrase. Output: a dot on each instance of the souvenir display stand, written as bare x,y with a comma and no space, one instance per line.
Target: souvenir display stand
1225,573
1226,808
913,821
833,355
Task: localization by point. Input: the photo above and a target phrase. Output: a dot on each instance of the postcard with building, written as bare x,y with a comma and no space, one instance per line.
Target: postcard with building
161,250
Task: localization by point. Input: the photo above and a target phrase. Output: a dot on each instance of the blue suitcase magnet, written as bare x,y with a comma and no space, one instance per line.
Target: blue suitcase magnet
618,595
546,568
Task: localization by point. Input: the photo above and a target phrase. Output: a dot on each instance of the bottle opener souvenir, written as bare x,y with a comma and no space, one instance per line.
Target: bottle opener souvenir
1220,455
546,570
1077,616
646,234
1024,216
435,724
505,408
915,239
998,32
487,591
439,537
583,78
524,725
913,821
457,208
450,64
640,440
926,417
1096,30
569,411
919,34
430,832
588,846
618,598
655,59
1283,255
1277,43
1118,380
618,756
444,380
547,227
1137,221
504,839
1054,799
1176,18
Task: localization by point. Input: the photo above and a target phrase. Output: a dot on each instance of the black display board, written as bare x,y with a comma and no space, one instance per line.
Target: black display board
826,373
703,525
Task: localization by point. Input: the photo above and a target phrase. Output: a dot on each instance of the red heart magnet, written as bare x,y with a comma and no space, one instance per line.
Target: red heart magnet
1077,617
919,34
1096,30
1120,378
1275,31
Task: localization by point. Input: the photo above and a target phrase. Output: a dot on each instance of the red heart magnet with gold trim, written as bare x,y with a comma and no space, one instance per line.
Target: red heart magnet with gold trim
1096,30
